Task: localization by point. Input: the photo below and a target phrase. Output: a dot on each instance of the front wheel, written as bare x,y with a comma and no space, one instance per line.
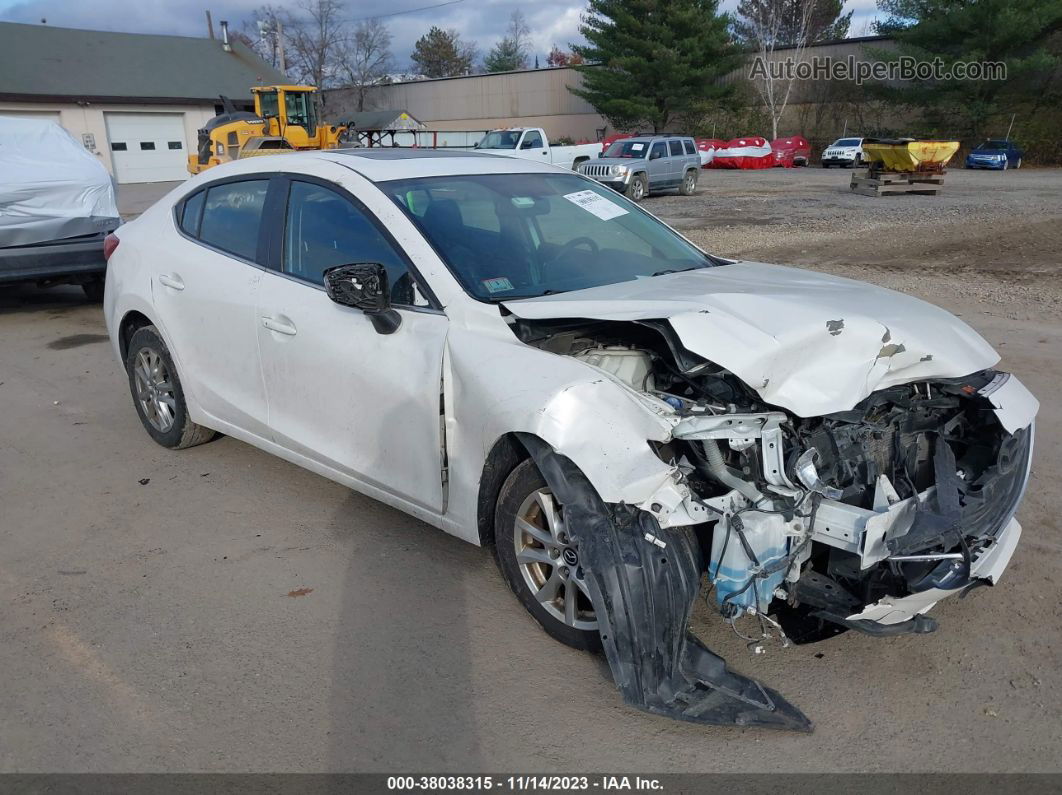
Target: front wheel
157,393
689,183
637,188
1017,163
539,560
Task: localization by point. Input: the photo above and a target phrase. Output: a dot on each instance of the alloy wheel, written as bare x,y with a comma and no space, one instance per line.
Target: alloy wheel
549,562
154,389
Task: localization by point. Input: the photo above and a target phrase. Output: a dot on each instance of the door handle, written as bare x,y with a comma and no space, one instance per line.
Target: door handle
173,282
279,326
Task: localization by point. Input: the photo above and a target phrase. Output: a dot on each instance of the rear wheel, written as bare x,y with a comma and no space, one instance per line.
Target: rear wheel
637,188
539,560
93,289
157,392
689,183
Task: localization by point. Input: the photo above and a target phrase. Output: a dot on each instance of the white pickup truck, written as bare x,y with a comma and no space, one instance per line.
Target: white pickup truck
531,143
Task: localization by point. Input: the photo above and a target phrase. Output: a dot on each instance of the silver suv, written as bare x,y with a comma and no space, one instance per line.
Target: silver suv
636,166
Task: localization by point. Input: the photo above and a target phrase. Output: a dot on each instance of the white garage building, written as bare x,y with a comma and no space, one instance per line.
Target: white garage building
136,101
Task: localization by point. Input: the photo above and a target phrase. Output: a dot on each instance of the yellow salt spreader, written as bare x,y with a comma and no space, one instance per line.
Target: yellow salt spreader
903,165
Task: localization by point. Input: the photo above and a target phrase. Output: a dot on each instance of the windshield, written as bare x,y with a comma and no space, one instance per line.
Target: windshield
500,139
627,149
992,146
507,236
847,142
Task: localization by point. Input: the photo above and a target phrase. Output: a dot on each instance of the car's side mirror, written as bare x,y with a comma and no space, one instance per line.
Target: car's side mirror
526,145
656,155
364,286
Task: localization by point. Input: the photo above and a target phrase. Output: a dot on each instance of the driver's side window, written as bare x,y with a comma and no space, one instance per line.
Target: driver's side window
324,229
659,150
532,141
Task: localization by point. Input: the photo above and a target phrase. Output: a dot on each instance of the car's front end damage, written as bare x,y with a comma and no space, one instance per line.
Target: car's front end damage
816,484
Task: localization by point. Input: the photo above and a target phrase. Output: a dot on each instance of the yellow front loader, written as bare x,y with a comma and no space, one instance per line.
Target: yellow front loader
285,120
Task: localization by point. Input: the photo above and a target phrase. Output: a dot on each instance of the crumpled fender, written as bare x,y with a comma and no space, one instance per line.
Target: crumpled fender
643,595
495,387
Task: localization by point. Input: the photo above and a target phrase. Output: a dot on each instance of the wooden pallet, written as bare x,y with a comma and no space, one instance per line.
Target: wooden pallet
885,183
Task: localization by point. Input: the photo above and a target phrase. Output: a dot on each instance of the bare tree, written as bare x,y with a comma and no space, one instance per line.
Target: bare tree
367,59
316,40
773,77
262,33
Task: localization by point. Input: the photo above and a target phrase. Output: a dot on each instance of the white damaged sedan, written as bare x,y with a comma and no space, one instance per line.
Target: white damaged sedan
523,358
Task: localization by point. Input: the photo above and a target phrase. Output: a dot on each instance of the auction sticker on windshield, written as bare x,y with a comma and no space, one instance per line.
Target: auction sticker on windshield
596,204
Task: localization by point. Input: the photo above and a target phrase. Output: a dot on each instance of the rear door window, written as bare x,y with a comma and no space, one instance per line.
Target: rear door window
676,148
232,216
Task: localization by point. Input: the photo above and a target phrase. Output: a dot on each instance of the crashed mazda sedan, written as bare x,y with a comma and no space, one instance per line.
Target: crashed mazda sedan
523,358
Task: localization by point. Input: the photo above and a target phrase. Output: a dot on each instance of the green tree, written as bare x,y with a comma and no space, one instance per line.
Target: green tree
652,62
826,22
1023,35
512,51
441,53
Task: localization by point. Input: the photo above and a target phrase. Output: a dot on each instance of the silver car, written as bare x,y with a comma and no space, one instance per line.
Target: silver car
637,166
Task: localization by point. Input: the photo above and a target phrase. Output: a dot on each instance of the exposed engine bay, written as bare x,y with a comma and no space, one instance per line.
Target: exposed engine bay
816,525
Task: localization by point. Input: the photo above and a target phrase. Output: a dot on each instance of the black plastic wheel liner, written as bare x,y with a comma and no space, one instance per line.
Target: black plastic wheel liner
643,595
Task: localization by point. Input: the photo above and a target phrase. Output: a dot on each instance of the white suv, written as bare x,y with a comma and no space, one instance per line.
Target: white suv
843,152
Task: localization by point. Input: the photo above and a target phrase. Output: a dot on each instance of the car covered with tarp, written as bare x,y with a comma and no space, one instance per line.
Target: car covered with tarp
57,206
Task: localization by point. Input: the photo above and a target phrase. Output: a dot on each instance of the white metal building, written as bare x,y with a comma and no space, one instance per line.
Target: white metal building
136,101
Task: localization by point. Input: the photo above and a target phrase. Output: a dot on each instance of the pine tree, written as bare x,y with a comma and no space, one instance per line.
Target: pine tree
648,62
441,53
1023,35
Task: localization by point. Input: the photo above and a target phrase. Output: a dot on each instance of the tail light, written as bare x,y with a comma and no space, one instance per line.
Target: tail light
110,243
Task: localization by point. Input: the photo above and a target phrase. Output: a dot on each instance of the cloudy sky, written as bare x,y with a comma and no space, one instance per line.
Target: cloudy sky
481,21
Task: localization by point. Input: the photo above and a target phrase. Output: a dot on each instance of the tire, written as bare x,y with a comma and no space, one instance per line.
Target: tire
94,289
689,183
578,162
637,188
536,564
1017,163
157,393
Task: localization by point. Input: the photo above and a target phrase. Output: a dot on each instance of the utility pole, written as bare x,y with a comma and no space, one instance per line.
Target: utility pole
280,48
210,24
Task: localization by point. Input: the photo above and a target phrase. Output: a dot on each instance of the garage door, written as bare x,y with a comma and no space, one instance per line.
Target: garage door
147,147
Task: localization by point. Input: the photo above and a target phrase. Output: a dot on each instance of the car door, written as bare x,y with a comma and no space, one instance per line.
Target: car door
657,166
362,403
205,291
533,147
676,160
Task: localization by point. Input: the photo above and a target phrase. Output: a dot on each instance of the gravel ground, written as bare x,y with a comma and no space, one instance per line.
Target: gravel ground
152,617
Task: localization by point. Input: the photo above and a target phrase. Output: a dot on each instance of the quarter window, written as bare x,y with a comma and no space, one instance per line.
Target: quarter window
232,215
190,213
676,147
325,229
690,148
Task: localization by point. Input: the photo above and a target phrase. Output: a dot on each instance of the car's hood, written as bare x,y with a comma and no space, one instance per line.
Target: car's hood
805,341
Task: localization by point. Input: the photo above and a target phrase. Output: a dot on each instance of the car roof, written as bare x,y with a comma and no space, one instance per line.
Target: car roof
383,164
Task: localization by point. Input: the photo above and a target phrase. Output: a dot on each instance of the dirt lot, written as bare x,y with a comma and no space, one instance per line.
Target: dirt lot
148,621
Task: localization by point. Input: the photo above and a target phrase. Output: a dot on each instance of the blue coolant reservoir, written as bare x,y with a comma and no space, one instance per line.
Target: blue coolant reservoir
730,569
